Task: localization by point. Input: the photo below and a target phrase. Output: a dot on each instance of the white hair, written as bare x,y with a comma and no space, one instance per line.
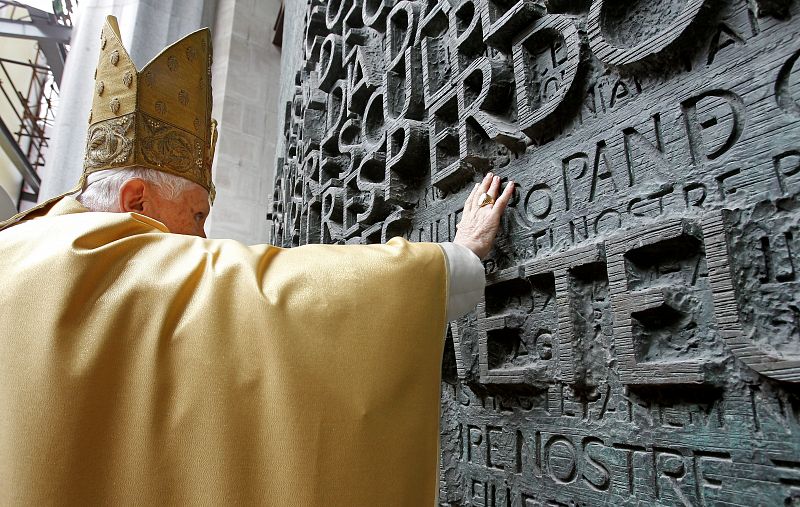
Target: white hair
101,192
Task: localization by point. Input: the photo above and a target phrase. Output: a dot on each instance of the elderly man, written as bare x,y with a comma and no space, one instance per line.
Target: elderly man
145,364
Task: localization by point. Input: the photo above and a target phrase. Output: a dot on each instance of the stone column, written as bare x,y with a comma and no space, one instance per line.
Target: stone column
147,27
246,83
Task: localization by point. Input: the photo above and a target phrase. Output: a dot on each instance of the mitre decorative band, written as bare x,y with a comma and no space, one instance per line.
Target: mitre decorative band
138,139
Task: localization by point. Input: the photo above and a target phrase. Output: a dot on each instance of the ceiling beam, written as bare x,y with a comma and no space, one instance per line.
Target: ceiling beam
18,158
35,30
50,35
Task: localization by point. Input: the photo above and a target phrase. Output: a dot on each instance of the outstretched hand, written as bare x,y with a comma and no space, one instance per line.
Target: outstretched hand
481,218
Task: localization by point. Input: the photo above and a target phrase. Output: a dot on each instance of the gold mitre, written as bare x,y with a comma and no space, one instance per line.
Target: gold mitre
159,118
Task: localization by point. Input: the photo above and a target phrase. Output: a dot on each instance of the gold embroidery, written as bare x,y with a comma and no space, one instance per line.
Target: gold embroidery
110,142
166,146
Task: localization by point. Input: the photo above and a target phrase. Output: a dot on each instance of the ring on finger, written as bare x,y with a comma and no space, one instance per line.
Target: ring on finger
485,200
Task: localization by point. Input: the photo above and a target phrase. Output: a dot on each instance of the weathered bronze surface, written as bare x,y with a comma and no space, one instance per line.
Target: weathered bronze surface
639,339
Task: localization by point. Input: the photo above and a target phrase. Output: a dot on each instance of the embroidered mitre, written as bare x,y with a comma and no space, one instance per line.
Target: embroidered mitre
157,118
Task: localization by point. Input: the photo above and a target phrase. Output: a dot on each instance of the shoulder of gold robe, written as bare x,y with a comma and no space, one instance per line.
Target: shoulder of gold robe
151,368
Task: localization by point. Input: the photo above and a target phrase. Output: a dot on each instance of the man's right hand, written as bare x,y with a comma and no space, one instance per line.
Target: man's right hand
477,229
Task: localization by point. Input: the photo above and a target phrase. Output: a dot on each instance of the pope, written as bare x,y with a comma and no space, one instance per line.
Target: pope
145,364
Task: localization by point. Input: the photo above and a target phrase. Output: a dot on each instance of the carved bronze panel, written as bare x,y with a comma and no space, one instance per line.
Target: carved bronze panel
639,338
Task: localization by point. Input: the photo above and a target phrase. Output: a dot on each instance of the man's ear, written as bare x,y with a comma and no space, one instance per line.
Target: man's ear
132,196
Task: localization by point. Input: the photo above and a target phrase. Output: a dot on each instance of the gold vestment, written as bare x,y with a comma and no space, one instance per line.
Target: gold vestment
139,367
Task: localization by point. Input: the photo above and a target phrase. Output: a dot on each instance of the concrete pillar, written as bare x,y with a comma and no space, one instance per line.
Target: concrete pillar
246,84
147,27
293,34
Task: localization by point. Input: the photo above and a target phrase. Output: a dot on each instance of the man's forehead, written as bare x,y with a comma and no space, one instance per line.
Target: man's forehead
199,197
195,197
202,197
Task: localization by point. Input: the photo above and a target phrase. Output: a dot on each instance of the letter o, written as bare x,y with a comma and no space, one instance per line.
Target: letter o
612,53
559,448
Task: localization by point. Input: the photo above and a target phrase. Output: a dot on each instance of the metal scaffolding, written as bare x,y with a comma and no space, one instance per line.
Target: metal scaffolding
24,135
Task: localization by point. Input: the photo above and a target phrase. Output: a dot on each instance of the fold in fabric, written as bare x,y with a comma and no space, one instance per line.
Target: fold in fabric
467,280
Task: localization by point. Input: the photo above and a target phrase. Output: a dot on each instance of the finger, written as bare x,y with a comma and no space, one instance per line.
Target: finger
470,202
502,201
483,188
494,189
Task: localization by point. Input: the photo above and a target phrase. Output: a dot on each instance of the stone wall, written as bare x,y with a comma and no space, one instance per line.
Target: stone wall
639,338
